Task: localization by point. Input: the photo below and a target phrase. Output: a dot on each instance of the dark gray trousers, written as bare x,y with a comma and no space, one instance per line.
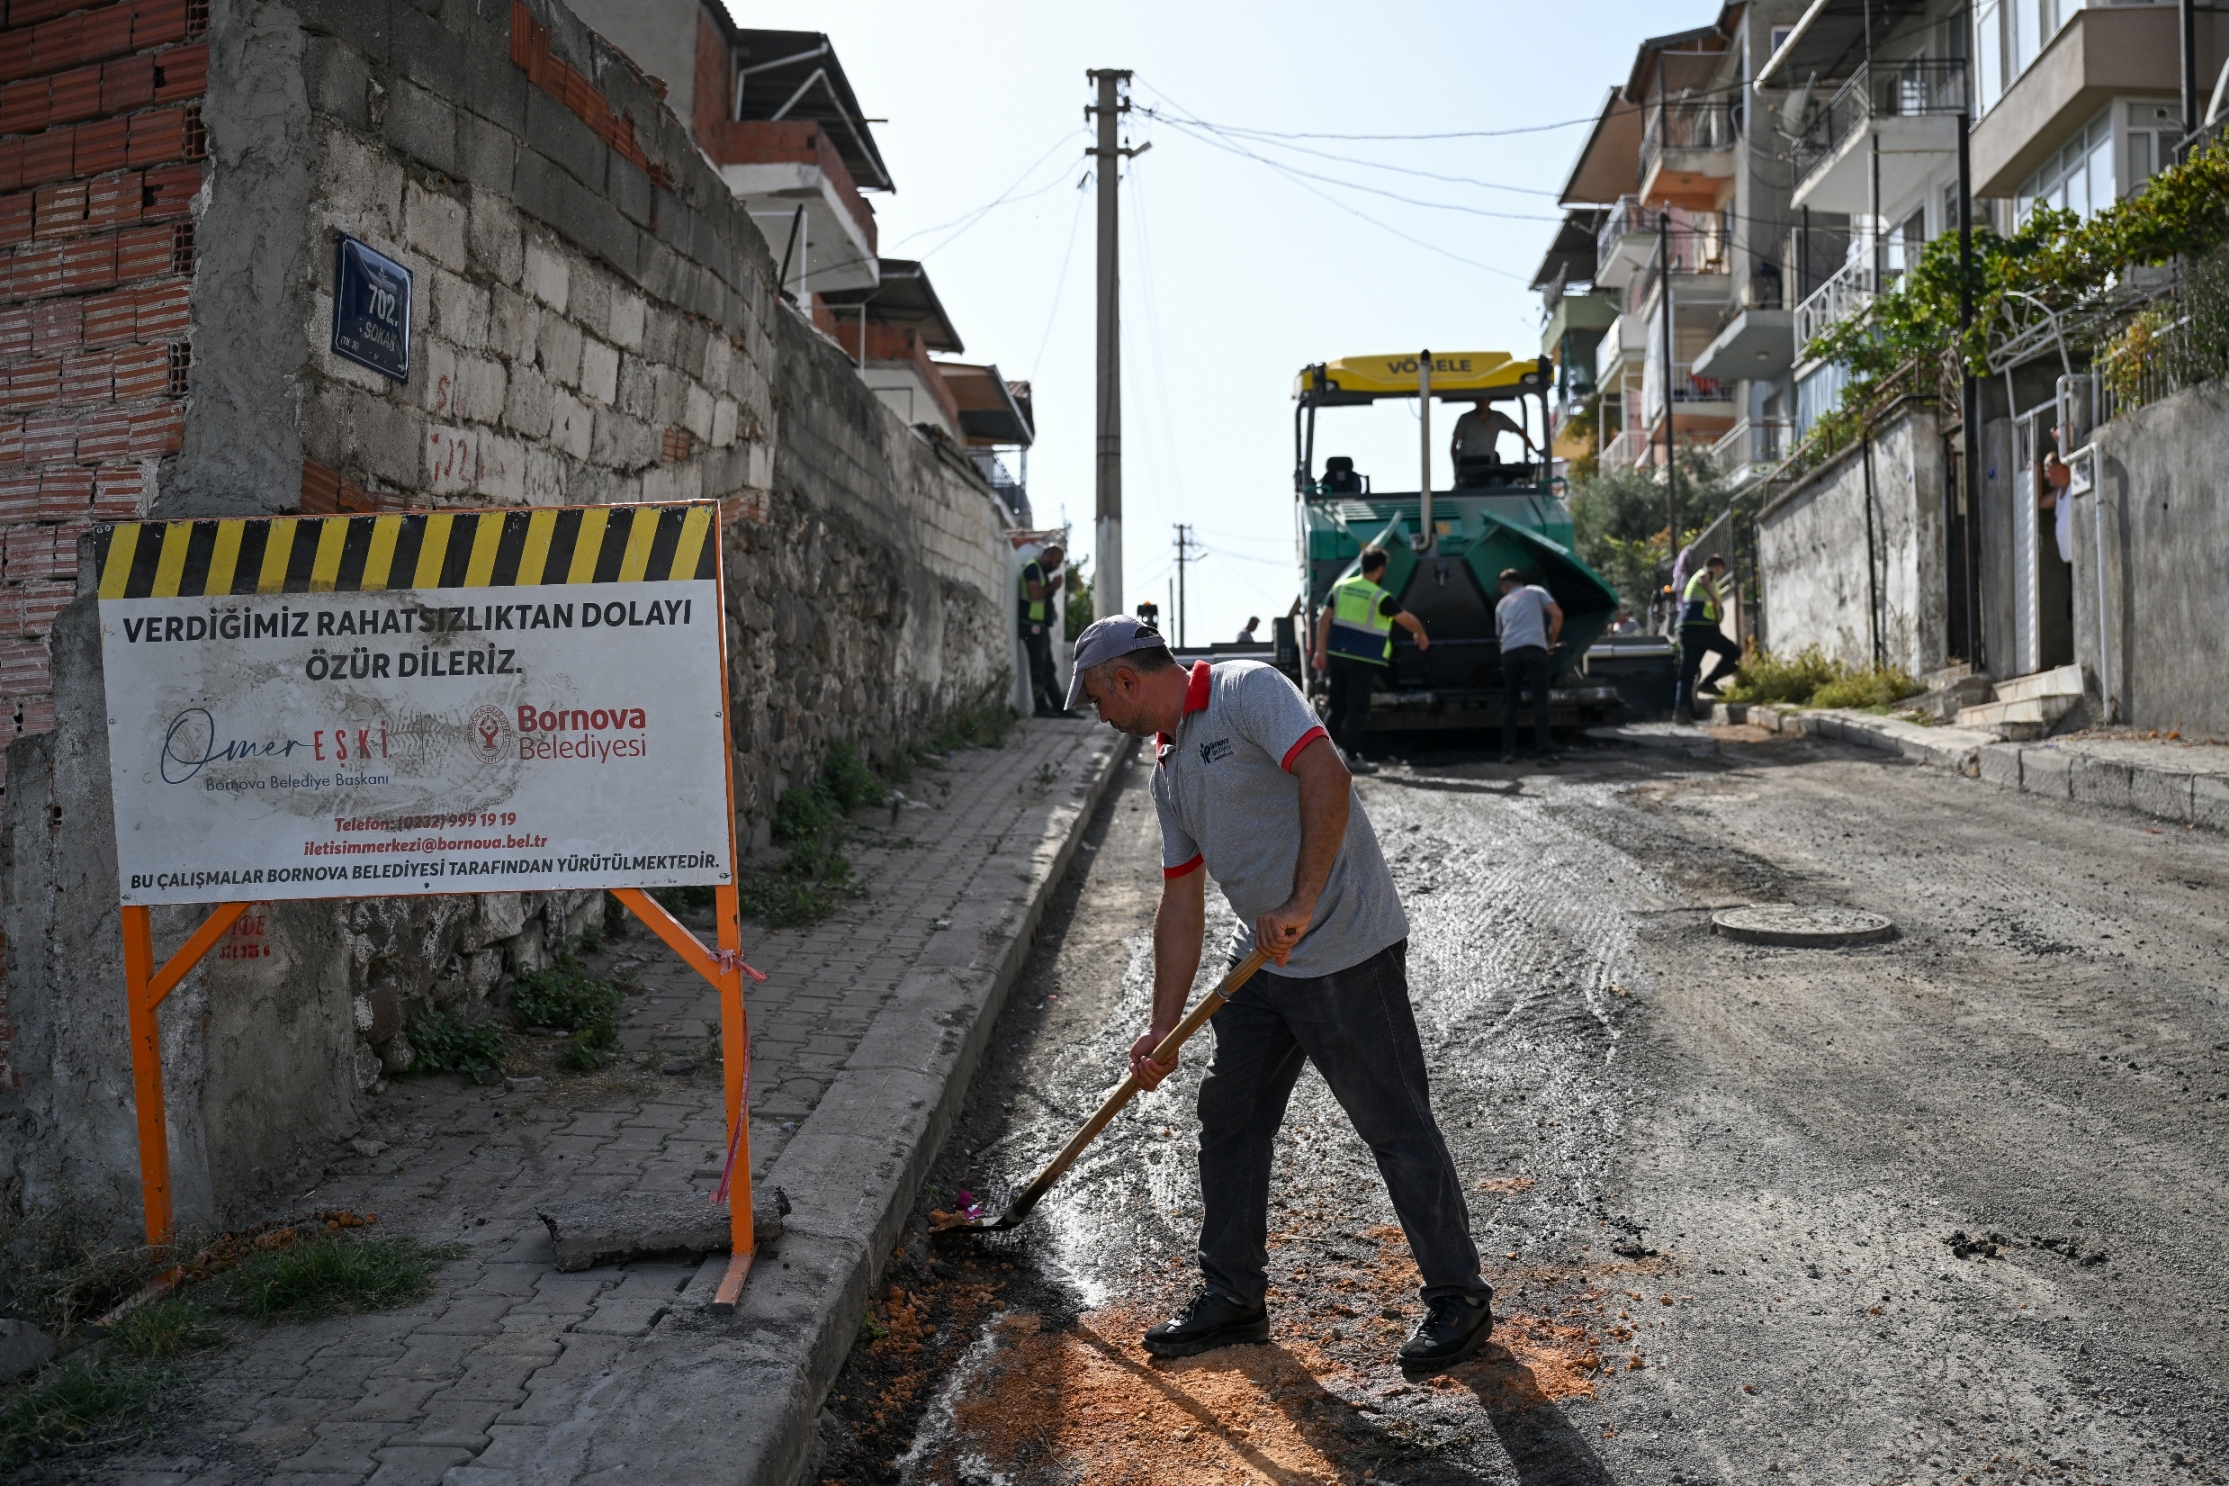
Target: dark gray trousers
1357,1028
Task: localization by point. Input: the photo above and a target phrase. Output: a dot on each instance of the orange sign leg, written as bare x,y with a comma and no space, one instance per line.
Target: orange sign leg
724,969
144,990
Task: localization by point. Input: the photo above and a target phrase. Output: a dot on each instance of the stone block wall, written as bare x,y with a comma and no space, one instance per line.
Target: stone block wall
1813,548
593,321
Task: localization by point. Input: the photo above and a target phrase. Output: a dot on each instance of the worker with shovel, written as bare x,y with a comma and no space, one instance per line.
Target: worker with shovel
1251,792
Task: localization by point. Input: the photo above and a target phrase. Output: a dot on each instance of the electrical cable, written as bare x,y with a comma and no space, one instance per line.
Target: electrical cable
1053,314
1217,142
1460,180
969,219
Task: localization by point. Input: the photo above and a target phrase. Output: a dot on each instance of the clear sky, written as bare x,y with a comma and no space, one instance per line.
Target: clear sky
1234,275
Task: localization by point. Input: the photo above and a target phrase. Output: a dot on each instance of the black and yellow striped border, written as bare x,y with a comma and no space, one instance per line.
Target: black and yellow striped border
372,554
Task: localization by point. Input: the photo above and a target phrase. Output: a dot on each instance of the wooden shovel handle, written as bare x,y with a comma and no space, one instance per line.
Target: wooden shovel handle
1127,1090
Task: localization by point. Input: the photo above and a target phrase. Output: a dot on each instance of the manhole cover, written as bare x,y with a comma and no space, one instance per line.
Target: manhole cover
1787,923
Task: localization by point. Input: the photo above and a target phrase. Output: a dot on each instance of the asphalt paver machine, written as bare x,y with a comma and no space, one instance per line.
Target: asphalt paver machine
1447,548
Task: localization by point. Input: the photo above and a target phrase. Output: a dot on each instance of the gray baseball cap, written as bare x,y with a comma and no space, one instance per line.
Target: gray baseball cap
1104,640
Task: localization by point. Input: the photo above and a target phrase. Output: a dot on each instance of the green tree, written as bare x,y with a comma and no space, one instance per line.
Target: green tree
1619,522
1079,598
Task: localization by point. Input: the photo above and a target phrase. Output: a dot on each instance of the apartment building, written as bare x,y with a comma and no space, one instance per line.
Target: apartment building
1895,552
1681,185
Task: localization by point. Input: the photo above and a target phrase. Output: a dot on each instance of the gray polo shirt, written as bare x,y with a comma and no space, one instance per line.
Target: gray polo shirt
1229,803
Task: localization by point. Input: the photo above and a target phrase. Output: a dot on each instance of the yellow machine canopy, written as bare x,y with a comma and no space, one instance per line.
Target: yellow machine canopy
1458,374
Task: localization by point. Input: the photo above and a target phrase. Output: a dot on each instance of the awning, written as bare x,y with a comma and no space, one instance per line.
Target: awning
904,297
795,75
990,412
1830,41
1609,163
1571,255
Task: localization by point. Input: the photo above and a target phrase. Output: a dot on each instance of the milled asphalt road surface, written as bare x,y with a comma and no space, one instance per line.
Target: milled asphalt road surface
1945,1209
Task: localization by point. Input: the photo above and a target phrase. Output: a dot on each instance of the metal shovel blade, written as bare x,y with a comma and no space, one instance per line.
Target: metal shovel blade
944,1222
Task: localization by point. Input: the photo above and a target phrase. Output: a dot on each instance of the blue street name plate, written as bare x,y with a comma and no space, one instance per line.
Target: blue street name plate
371,310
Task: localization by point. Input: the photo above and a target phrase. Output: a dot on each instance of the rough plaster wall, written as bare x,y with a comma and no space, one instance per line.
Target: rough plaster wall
2166,548
242,452
1813,548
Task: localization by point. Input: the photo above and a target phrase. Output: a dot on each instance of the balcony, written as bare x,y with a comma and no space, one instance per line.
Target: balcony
1850,290
1751,447
1626,450
1705,396
1686,152
1911,107
775,167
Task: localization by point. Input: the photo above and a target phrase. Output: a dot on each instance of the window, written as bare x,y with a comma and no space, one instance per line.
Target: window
1817,394
1989,55
2079,178
1905,241
2153,130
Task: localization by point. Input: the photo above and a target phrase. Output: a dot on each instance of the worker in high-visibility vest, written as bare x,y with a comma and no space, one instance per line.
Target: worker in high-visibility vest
1354,645
1041,579
1701,611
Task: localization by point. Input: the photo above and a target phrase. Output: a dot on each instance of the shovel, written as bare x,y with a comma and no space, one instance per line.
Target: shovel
1212,1002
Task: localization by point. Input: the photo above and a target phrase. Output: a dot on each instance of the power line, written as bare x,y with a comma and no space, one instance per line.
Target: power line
1205,137
1433,175
969,219
1052,315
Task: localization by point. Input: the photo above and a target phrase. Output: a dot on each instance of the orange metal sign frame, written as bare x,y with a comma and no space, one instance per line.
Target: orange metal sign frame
146,986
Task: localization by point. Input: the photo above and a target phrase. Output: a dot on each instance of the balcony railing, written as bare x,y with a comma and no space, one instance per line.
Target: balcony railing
1626,450
1850,290
1685,126
1880,91
1750,444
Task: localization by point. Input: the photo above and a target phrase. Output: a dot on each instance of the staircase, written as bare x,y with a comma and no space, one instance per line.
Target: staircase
2022,708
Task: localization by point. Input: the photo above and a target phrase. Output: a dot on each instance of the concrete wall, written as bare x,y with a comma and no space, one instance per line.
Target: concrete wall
2163,478
1812,551
593,321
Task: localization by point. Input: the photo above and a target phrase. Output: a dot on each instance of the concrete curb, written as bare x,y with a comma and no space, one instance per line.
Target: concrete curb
852,1172
2053,770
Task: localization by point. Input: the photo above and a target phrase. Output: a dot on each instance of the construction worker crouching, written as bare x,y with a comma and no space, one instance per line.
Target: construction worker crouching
1701,610
1041,579
1354,643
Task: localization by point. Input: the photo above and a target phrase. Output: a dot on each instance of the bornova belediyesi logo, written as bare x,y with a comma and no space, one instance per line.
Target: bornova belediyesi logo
593,733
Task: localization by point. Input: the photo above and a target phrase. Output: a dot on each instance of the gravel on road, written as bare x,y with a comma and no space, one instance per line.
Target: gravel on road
1943,1208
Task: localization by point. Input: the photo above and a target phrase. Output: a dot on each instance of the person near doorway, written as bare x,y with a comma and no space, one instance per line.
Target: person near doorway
1529,623
1354,645
2058,475
1701,612
1041,579
1246,630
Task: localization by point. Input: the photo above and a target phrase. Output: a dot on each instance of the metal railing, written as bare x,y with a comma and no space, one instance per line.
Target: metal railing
1685,126
1630,218
1848,292
1882,90
1751,444
1626,450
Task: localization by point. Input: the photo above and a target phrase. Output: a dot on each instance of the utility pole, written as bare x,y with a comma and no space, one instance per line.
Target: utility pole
1671,462
1113,103
2189,33
1184,545
1969,393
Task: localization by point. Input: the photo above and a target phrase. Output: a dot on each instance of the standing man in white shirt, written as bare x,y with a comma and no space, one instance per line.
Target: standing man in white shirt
1252,793
1529,623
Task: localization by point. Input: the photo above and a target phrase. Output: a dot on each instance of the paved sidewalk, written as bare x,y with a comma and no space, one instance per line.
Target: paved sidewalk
2185,783
862,1043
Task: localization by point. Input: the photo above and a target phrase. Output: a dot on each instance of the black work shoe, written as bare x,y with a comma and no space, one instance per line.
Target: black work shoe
1211,1319
1454,1328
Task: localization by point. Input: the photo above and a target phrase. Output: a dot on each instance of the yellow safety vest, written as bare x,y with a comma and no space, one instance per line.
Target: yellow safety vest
1700,590
1035,611
1359,630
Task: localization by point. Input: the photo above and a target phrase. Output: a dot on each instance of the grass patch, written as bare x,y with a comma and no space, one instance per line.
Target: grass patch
679,900
331,1273
566,997
444,1043
107,1386
92,1396
1810,679
1766,677
1875,687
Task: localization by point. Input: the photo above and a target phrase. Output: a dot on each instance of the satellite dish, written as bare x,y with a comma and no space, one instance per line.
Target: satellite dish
1794,109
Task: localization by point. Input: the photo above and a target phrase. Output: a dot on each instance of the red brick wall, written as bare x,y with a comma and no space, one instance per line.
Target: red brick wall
100,144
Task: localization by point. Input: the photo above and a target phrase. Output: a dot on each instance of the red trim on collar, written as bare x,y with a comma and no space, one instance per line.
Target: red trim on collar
1195,694
1305,739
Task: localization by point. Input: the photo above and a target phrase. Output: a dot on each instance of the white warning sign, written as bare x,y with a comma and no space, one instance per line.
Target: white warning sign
385,705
